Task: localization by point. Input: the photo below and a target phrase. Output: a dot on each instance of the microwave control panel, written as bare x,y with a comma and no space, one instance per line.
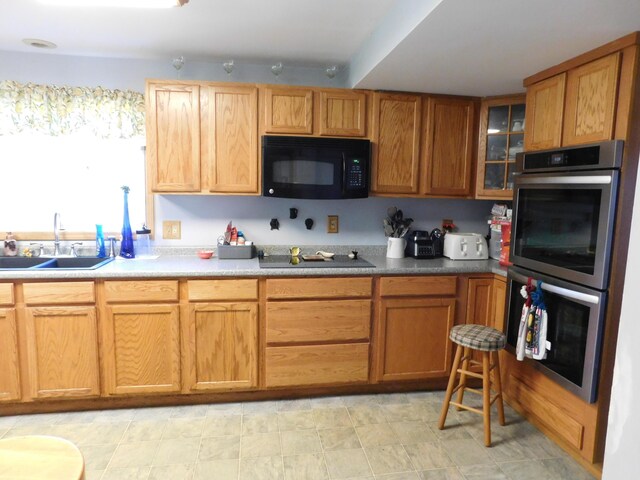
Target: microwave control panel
355,174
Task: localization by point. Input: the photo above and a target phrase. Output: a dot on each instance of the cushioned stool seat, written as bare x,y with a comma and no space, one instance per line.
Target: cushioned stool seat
40,457
478,337
488,341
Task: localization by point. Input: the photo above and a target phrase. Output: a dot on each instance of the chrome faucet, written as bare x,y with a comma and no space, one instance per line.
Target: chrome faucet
57,226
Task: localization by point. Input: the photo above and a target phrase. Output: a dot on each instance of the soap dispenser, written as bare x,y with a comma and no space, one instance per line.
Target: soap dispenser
10,247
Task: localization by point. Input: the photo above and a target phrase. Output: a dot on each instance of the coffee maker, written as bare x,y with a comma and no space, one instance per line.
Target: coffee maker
422,244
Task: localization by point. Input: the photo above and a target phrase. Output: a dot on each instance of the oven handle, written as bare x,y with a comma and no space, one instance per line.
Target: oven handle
583,297
560,180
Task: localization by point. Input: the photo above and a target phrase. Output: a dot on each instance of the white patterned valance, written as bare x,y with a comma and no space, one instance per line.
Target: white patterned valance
52,110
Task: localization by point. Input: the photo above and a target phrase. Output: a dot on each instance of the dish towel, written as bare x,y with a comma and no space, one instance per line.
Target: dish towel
532,331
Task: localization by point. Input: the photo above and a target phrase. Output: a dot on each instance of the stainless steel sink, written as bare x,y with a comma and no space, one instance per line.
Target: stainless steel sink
18,263
76,263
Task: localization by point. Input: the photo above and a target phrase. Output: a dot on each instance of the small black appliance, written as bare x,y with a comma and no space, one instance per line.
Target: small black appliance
421,244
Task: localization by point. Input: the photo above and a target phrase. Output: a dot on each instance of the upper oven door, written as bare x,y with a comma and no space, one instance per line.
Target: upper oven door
563,224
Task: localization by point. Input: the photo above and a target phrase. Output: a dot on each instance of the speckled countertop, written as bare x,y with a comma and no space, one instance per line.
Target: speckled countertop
179,266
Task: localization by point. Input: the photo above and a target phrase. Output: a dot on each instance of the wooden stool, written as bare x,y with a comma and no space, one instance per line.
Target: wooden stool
489,341
37,457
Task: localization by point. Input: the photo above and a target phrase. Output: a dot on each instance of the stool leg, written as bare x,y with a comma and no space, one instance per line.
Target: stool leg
498,383
451,384
486,398
463,376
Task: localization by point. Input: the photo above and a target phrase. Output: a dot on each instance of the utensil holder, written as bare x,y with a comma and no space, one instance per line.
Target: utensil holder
395,247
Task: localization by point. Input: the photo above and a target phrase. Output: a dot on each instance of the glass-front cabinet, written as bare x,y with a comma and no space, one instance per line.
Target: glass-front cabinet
501,138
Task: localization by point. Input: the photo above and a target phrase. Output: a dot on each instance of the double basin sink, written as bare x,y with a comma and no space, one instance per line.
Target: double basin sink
67,263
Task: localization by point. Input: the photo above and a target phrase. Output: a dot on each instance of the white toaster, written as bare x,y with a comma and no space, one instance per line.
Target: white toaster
465,246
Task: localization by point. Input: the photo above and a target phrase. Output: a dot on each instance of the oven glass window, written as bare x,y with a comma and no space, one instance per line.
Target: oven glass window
567,328
302,172
558,227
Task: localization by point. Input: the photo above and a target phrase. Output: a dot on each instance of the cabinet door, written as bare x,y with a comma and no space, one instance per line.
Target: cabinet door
9,363
449,143
479,301
500,139
414,338
343,113
173,137
62,351
396,134
591,101
230,138
222,346
288,110
543,118
141,349
498,303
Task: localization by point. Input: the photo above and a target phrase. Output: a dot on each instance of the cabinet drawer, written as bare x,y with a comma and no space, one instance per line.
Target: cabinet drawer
204,290
58,293
317,364
413,286
288,288
340,320
141,291
6,294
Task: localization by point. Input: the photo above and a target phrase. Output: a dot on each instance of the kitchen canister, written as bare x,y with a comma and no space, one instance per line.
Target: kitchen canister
395,247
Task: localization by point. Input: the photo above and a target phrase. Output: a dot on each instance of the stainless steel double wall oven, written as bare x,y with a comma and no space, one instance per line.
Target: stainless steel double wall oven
562,234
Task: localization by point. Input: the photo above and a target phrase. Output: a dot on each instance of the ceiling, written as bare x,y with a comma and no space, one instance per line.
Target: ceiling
465,47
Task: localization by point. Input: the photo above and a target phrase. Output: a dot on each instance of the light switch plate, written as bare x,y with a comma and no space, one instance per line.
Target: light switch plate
332,224
171,229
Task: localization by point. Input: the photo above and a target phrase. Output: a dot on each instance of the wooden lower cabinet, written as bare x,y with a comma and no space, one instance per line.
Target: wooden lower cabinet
141,349
221,346
9,361
413,338
317,365
62,351
486,304
317,331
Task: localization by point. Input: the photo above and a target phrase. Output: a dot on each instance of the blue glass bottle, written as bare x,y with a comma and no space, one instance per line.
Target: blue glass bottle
126,246
100,249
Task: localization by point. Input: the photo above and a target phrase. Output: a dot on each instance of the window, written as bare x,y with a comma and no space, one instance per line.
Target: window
78,176
69,150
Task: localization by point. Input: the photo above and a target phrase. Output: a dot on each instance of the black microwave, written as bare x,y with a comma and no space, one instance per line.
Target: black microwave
319,168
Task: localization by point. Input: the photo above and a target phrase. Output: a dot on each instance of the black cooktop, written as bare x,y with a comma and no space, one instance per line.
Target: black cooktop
287,261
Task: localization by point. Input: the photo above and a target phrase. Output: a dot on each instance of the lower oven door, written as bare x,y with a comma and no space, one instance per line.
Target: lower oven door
575,316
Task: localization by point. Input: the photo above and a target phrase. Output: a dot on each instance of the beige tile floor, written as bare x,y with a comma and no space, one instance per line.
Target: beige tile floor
386,436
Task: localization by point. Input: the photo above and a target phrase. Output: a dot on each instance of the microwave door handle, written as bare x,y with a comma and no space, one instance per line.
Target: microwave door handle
343,187
563,292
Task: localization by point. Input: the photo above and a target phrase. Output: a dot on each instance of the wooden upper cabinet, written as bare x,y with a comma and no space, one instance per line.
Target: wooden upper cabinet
396,134
449,141
500,139
590,105
9,362
343,113
62,351
230,138
288,110
543,118
173,137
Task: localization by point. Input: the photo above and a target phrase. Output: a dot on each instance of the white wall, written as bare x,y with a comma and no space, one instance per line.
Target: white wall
121,73
204,218
623,434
